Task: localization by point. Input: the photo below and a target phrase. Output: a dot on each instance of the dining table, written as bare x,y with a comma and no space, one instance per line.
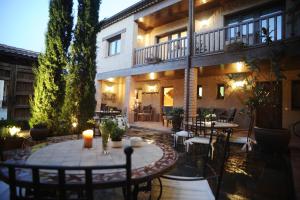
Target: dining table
149,161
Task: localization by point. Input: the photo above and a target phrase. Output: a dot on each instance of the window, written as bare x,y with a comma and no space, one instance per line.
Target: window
296,95
249,28
220,91
3,99
171,36
199,92
114,46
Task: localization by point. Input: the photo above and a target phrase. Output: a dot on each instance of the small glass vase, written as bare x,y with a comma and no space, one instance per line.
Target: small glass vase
104,142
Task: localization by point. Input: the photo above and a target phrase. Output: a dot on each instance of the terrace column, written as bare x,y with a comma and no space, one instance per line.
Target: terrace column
190,74
98,95
129,98
190,94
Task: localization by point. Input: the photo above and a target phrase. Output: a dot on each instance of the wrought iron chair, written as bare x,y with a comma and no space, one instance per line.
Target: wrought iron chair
188,132
176,187
35,186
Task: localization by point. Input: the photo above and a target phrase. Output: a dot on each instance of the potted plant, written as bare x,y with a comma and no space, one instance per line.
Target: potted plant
9,138
39,131
263,96
106,127
116,137
177,117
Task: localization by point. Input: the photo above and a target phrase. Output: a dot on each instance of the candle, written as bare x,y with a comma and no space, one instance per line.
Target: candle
87,138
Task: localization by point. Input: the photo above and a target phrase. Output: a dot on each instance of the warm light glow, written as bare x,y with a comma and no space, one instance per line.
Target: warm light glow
152,75
239,66
88,138
140,37
152,88
141,19
204,22
238,84
110,79
203,1
200,91
109,89
14,130
74,124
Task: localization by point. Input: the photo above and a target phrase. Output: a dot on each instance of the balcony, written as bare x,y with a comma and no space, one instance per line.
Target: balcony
227,39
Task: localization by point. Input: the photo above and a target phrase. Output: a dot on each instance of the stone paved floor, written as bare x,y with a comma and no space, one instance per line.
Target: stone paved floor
247,176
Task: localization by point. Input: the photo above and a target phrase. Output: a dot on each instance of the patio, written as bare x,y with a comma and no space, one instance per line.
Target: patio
252,175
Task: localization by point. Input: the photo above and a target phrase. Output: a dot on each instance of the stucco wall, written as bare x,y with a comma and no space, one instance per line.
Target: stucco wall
128,42
234,98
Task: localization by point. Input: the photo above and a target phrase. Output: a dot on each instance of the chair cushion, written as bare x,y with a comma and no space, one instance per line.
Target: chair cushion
183,133
189,190
200,140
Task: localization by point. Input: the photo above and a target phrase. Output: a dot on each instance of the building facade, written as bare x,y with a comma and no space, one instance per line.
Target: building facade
16,82
144,57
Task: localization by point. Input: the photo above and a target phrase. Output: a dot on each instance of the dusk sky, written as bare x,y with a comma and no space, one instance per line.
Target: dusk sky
23,23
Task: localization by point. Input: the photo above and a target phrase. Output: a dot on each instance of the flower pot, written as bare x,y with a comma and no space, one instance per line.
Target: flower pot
116,144
39,133
272,140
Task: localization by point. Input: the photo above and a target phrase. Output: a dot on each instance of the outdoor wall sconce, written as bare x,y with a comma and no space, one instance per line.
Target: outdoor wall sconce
109,89
239,66
152,76
140,37
110,79
238,84
204,22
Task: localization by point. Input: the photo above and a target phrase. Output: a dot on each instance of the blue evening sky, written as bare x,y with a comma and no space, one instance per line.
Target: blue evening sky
23,23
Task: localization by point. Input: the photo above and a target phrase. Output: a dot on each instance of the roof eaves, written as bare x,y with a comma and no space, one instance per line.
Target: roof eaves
18,51
137,7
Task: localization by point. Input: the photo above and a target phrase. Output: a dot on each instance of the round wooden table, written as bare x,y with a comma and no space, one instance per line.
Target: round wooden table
148,161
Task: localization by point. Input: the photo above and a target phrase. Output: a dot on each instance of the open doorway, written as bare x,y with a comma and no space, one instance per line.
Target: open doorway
168,96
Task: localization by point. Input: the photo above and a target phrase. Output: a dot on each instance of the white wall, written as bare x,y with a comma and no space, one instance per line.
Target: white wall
128,39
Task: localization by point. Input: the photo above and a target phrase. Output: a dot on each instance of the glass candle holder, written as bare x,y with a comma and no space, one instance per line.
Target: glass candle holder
88,138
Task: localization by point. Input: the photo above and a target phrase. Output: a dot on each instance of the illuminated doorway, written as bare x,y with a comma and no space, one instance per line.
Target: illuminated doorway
168,96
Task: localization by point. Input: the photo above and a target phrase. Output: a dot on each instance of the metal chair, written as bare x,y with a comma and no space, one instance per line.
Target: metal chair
35,186
176,187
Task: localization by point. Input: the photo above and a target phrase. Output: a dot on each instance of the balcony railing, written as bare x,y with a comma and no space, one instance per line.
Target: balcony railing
240,35
230,38
171,50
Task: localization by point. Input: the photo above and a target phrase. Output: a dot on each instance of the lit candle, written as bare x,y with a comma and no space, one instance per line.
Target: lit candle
87,138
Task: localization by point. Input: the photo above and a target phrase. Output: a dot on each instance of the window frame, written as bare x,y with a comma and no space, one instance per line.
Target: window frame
219,86
198,94
117,50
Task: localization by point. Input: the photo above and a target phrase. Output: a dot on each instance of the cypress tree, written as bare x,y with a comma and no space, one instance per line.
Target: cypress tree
79,105
49,86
